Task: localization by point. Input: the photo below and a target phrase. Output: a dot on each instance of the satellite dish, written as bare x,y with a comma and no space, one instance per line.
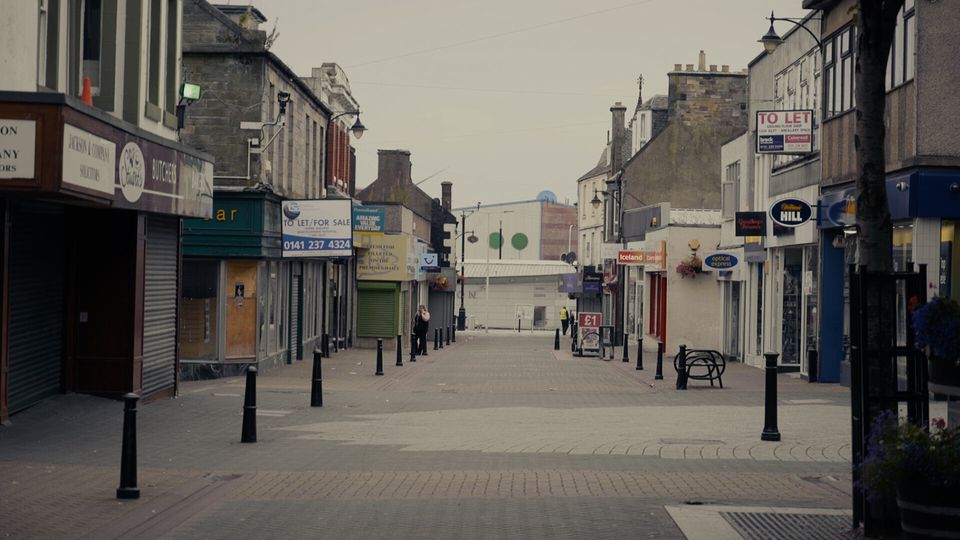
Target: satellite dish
571,257
563,257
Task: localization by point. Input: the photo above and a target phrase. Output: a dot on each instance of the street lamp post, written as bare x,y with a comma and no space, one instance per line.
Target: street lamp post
771,40
462,314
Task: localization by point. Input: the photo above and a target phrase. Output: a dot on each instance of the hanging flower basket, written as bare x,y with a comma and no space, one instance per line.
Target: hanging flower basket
690,267
937,326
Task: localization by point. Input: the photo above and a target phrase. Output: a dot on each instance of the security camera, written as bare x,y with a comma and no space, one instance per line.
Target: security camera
282,99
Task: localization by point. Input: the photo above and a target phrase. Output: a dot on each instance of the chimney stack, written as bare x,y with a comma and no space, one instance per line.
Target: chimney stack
394,167
446,194
618,111
702,66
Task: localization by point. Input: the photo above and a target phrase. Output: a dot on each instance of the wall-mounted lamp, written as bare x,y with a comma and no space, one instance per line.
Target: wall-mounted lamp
902,186
954,188
654,221
188,94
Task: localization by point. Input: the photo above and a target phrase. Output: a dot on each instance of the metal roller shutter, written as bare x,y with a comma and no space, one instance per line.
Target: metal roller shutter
377,311
36,304
295,350
160,304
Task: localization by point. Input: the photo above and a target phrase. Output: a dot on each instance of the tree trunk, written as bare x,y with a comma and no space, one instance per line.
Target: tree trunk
875,28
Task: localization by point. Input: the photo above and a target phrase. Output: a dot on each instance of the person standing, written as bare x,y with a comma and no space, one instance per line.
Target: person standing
421,323
564,319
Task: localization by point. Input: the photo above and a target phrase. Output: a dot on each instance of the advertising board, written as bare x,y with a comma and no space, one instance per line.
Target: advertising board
785,132
588,331
317,228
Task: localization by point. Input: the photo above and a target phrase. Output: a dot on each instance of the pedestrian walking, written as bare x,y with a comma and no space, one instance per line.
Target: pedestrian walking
564,319
421,323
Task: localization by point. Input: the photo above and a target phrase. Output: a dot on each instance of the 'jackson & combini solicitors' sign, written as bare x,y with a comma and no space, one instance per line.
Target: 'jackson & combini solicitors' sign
100,158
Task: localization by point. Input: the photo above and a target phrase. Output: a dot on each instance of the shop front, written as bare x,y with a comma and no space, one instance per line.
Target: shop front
385,291
91,248
925,209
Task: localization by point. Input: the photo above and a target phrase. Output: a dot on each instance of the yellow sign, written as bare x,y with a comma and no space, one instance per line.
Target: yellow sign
385,258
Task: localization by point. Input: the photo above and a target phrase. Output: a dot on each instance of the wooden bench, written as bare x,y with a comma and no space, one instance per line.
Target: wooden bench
699,365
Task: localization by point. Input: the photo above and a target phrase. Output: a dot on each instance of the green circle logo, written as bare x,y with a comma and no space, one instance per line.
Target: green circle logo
519,241
495,240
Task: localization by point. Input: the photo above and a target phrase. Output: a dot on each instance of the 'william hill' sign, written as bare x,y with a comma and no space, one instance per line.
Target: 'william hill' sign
790,212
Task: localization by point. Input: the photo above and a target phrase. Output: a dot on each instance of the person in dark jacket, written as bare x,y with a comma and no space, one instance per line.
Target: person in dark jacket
421,323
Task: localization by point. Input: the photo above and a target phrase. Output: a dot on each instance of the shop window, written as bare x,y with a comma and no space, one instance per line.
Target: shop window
950,259
199,310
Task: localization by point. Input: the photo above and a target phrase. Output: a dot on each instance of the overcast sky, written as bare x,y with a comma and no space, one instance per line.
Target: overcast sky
507,97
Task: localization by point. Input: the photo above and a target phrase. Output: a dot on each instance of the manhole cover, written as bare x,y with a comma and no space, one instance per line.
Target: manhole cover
690,441
765,525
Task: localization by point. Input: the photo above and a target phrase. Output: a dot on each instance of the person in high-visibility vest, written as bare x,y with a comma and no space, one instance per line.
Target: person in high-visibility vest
564,319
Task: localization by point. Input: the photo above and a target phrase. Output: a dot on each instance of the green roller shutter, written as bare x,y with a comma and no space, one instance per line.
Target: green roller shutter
377,309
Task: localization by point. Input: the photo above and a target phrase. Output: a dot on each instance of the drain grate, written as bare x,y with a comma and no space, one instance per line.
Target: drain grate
765,525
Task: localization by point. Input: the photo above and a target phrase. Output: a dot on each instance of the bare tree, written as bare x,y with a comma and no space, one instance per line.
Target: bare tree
876,20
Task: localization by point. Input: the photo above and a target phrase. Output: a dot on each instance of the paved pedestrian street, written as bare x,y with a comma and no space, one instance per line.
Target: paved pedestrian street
495,436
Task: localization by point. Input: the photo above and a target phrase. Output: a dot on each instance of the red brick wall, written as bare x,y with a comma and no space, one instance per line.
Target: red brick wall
555,224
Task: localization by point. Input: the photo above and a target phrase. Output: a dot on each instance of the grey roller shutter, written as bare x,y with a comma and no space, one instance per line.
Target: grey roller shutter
36,325
160,304
296,343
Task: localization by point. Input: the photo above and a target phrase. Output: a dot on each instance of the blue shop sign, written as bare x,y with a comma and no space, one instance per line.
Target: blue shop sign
791,212
721,261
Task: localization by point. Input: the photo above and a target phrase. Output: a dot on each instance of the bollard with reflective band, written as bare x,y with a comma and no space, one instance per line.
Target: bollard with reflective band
626,347
316,385
556,340
399,350
249,434
413,347
659,375
682,368
128,451
379,356
770,431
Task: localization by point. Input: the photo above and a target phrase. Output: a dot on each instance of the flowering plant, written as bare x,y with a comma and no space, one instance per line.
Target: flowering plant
908,454
690,267
937,325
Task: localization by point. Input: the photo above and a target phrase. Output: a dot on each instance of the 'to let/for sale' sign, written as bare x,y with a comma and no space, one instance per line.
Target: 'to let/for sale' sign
785,132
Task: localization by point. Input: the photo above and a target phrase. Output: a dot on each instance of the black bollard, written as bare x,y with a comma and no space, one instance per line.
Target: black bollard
413,347
556,340
336,344
325,345
659,375
626,347
448,336
379,356
399,350
349,338
573,340
436,339
440,330
128,451
639,353
249,434
770,431
453,333
518,325
316,385
682,368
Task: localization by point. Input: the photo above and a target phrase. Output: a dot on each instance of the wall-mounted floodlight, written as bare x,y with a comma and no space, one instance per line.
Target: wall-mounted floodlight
190,91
